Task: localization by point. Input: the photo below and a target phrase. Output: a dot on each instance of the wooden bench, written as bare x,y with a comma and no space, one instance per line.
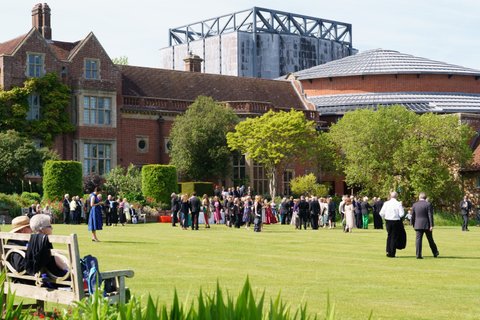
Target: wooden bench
71,285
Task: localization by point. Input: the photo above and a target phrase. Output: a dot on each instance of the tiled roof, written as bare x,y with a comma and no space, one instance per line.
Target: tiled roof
62,49
182,85
9,46
418,102
381,61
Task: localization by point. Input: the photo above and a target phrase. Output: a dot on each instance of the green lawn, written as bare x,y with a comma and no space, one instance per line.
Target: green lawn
303,265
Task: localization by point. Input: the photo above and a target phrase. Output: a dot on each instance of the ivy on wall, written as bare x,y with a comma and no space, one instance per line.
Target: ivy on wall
54,118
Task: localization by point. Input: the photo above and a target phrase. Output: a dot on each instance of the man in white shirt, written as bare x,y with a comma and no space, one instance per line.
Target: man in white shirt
392,211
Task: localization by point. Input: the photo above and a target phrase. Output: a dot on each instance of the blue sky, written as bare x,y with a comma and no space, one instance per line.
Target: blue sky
436,29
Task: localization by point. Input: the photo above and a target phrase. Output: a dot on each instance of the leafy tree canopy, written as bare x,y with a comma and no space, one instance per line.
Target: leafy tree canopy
123,60
307,185
198,137
54,99
393,148
274,139
19,156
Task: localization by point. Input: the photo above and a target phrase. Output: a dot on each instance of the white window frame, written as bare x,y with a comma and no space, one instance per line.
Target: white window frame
95,109
95,162
33,107
91,73
35,69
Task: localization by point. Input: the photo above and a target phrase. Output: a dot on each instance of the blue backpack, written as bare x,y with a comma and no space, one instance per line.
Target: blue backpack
91,273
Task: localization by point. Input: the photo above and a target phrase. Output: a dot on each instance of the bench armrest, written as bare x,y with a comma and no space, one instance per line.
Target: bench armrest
117,273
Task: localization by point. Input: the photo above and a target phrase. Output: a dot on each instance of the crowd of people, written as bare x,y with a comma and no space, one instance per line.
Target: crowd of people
237,207
116,210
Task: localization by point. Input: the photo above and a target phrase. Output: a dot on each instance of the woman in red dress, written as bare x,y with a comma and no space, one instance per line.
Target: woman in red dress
269,217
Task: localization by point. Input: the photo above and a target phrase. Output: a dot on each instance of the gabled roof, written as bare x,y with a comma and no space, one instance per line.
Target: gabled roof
182,85
9,47
415,101
379,61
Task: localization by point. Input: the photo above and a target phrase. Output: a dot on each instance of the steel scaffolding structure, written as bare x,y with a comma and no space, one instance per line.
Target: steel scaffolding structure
261,20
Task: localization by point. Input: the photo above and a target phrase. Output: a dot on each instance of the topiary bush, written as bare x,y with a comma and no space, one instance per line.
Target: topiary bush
159,181
60,177
31,197
200,188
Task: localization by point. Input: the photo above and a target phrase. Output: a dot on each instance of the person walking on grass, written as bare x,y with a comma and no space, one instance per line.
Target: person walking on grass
392,211
465,208
422,221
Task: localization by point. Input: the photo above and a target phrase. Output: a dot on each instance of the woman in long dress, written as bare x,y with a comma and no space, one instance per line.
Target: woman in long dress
257,210
95,218
217,216
247,211
124,207
349,215
206,210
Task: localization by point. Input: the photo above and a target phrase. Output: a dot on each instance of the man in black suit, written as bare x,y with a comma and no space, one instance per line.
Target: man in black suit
66,209
331,207
465,208
174,207
314,212
358,213
195,205
422,221
303,213
377,219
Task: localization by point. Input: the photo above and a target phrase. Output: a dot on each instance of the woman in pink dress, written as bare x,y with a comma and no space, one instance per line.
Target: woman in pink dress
217,216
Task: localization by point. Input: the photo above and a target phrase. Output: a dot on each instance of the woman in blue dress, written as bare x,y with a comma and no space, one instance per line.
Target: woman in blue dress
95,217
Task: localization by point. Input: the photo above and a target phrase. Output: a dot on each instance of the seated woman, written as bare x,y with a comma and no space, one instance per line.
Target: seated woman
39,257
20,224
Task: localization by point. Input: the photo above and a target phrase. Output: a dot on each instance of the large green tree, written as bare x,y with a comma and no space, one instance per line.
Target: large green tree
393,148
19,156
198,139
274,139
54,98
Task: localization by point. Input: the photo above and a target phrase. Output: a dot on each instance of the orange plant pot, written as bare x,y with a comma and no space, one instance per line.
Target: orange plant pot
164,219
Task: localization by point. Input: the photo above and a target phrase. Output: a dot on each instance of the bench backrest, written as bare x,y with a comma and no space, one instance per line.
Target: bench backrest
30,286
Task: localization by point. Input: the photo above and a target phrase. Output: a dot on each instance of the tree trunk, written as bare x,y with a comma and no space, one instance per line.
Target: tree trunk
272,182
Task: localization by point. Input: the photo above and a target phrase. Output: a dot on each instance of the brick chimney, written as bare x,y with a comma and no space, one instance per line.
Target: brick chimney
193,63
41,20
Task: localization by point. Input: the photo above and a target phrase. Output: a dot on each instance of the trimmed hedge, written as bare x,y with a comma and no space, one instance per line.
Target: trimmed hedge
200,188
61,177
159,181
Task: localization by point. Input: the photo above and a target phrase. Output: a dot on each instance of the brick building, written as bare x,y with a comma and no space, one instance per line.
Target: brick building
123,114
386,77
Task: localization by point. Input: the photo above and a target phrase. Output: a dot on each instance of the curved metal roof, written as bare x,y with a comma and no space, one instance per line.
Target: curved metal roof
415,101
379,61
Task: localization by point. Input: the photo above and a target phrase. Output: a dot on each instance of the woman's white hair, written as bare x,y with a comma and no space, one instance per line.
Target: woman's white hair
39,221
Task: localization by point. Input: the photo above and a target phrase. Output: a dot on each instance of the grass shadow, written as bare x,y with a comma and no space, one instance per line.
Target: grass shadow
132,242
